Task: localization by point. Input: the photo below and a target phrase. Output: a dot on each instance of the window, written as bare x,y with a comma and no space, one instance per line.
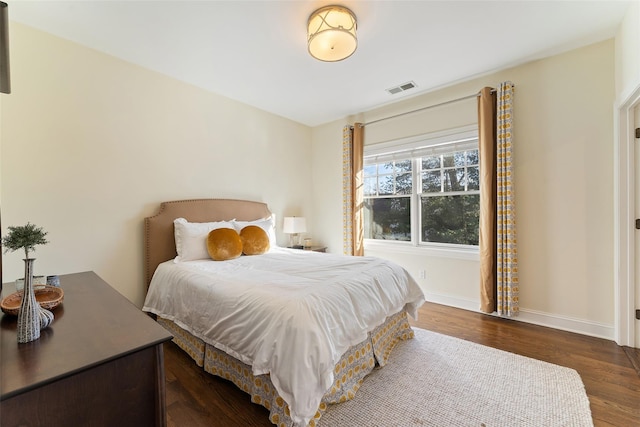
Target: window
427,193
450,198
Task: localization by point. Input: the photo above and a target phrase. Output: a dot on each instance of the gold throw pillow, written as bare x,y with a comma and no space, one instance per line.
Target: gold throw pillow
255,240
224,244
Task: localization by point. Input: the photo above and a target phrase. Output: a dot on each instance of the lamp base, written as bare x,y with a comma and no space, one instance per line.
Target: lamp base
294,241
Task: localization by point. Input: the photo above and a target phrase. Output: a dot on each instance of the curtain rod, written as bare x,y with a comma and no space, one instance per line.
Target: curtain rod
425,108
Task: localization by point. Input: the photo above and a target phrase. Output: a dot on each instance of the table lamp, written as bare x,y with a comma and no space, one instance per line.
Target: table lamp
293,225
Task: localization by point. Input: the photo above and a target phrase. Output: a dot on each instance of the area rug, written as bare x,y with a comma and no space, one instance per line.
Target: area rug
437,380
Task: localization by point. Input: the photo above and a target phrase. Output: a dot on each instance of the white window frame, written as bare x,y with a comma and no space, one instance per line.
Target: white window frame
411,148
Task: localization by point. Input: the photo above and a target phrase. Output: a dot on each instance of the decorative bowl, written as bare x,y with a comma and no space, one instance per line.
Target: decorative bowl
48,297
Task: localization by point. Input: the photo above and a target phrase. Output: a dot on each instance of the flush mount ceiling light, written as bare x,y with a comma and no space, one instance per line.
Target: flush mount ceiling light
331,33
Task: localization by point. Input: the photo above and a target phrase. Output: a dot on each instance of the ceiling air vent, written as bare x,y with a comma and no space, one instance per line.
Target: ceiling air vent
401,88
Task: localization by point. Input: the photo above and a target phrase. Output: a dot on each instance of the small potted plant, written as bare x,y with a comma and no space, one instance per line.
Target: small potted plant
31,317
25,237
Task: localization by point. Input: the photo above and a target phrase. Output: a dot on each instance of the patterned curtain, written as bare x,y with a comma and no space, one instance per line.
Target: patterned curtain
353,190
507,252
498,252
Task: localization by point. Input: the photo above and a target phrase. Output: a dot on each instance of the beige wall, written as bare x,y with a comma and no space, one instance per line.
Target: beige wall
91,145
563,177
326,151
627,45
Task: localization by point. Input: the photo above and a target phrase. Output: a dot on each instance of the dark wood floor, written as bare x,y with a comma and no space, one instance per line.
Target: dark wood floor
195,398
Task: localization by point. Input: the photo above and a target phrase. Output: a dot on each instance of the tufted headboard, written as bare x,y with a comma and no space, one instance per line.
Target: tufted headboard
159,242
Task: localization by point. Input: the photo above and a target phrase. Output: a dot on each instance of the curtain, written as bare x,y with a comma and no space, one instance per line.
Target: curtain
487,232
507,252
353,189
497,239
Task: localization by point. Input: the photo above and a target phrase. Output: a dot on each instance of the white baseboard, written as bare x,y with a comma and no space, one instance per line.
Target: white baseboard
564,323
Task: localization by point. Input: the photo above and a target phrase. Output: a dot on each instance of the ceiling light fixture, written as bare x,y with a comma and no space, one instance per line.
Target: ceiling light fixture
331,33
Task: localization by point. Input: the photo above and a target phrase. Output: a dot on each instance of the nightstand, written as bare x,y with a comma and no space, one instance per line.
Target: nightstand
312,248
316,249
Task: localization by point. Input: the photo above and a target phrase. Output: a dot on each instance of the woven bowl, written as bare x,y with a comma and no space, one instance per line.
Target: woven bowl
48,297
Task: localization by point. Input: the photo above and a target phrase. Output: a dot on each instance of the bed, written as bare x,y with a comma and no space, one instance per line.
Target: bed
296,330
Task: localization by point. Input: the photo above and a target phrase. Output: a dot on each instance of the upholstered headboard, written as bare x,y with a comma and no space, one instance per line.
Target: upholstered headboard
159,242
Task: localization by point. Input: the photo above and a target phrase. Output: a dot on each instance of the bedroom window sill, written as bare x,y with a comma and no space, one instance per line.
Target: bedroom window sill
463,253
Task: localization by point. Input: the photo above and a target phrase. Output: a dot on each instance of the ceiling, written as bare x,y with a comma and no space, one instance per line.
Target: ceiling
255,51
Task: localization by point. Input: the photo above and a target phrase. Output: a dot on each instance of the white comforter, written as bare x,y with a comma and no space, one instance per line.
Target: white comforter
289,313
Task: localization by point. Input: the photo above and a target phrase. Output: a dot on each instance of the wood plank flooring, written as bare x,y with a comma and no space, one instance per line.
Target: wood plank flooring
195,398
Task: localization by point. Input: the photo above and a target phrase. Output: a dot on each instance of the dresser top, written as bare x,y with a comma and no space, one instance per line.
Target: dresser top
93,325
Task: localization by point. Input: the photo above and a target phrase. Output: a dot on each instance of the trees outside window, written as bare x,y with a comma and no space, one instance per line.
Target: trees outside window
431,198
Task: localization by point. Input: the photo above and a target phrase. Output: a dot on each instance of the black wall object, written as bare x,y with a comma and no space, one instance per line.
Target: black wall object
5,82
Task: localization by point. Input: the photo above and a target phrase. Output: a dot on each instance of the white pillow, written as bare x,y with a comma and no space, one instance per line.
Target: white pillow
191,238
267,224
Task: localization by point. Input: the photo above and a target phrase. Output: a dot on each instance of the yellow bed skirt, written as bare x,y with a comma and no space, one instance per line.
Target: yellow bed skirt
349,372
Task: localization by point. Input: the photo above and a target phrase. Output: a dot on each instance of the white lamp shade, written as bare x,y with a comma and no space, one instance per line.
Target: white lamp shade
331,33
294,224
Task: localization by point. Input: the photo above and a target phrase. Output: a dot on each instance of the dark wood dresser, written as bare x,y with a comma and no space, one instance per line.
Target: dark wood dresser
99,364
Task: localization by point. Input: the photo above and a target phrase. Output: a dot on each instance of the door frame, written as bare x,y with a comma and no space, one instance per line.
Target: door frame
624,219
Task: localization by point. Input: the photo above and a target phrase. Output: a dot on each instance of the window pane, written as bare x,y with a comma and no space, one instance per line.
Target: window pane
454,179
370,170
385,168
404,183
459,158
403,166
431,181
431,162
370,186
473,178
460,174
385,184
388,219
472,157
447,160
450,219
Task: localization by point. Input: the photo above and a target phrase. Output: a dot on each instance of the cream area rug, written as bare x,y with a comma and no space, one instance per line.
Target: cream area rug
437,380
